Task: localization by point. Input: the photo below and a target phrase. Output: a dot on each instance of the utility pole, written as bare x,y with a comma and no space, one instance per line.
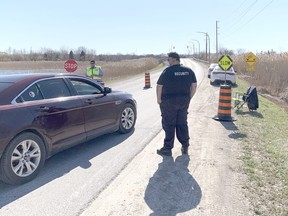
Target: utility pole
209,47
193,48
198,47
207,38
217,39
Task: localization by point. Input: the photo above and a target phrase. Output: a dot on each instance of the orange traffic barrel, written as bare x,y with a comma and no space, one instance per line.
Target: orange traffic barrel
147,81
224,106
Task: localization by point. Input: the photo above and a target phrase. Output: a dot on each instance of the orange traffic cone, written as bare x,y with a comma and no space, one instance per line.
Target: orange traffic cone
147,81
224,106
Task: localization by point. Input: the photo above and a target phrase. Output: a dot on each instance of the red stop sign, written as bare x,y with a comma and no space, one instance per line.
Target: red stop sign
70,65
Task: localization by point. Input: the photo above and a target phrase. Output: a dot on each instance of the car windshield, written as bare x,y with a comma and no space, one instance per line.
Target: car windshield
4,85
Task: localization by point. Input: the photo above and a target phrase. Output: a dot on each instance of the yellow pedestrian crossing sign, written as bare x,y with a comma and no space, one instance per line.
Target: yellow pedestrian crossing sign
250,68
225,62
250,58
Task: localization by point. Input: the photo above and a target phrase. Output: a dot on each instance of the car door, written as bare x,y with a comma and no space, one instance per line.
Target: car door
100,109
57,114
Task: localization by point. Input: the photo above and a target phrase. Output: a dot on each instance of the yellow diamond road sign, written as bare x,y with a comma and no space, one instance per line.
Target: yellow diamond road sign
225,62
250,58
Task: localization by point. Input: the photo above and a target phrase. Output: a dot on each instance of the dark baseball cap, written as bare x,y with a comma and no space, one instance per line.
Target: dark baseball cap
174,55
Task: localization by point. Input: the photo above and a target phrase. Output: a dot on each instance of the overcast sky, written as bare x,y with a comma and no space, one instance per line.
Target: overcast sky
143,26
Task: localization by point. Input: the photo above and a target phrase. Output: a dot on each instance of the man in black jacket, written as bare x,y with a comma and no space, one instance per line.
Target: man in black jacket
175,88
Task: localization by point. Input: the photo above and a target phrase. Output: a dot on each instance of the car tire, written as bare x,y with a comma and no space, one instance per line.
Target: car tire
23,159
127,118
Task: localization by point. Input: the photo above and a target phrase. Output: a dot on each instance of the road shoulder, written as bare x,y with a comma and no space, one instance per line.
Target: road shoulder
207,182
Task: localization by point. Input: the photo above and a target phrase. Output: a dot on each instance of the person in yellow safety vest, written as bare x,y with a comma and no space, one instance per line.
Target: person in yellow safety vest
94,72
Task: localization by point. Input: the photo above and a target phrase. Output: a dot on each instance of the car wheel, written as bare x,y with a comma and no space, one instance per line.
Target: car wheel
211,83
23,159
127,118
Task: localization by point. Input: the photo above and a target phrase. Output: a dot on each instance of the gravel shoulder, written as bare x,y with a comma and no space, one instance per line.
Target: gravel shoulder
207,182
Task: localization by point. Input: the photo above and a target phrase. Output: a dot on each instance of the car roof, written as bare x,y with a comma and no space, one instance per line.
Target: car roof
23,80
16,77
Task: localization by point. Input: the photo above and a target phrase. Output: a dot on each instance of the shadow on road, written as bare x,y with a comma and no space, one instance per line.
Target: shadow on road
172,189
61,164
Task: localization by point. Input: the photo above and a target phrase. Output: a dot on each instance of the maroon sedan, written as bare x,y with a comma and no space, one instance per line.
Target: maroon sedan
42,114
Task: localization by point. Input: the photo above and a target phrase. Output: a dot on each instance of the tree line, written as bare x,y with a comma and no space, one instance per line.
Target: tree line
81,54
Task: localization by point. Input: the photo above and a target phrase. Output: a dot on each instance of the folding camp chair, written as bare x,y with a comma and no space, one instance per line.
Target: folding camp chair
238,100
250,97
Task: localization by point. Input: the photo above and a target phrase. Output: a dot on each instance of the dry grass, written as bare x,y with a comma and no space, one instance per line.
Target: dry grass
270,76
112,70
124,68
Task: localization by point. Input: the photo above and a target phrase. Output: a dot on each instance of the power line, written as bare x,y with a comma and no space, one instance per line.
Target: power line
251,18
242,15
256,14
237,8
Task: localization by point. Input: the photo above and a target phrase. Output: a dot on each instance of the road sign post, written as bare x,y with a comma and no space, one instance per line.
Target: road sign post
225,95
225,63
250,60
70,65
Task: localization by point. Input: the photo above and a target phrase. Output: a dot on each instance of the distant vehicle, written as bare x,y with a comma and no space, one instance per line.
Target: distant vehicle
218,76
42,114
211,68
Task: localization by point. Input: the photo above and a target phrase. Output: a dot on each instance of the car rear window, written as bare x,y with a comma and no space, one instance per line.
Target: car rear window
45,89
217,68
31,94
53,88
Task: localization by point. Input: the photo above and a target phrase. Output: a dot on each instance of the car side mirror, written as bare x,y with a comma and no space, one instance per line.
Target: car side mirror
107,90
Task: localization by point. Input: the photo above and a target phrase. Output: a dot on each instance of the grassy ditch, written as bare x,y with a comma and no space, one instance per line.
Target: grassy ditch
264,140
270,73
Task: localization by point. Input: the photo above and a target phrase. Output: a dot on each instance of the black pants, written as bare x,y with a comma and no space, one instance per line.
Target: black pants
174,113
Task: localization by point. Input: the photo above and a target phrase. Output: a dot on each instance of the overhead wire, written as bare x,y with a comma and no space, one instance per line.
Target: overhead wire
237,8
256,14
247,22
242,15
246,10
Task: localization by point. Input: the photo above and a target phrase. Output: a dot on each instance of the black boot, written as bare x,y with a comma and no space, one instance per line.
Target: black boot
164,152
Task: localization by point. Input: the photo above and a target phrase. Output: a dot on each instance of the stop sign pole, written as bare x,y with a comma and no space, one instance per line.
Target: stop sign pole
70,65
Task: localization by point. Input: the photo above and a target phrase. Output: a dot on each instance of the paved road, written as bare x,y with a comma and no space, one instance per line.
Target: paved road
71,179
122,174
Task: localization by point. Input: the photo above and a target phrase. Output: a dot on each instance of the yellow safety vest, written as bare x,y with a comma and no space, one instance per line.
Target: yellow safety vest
94,73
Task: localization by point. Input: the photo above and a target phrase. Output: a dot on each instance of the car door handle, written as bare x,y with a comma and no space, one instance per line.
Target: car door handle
44,108
88,101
